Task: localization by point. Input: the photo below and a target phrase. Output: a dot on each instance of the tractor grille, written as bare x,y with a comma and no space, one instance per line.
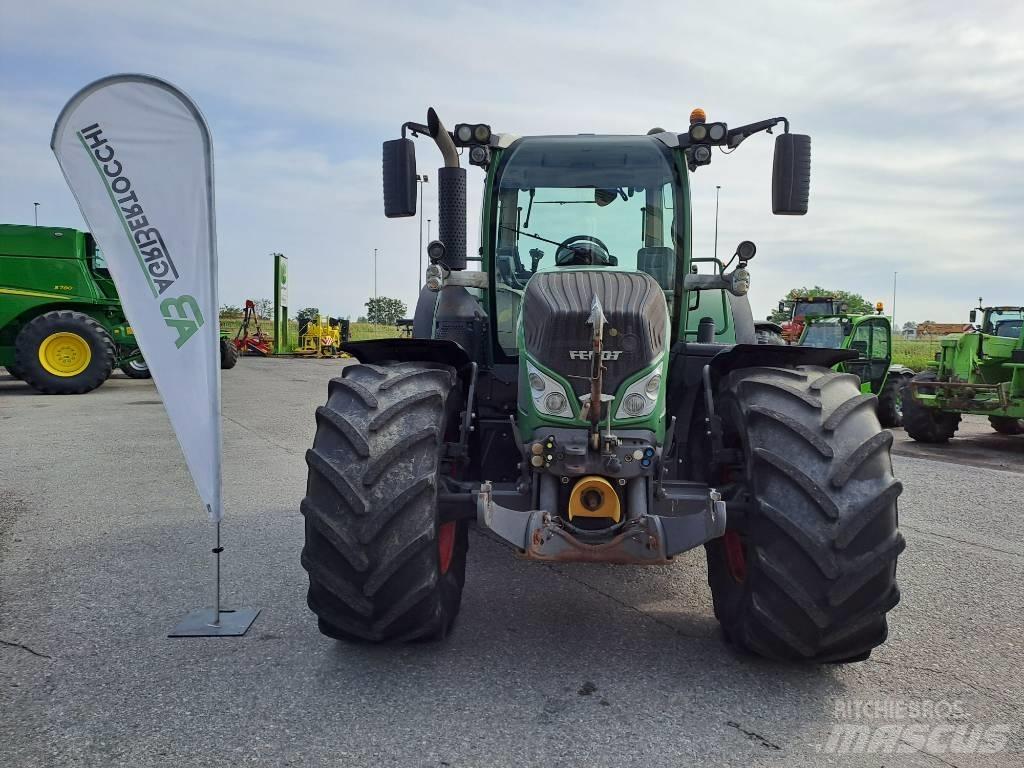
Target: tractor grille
556,307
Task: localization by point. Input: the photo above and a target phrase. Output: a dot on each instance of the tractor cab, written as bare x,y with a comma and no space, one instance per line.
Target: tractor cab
870,336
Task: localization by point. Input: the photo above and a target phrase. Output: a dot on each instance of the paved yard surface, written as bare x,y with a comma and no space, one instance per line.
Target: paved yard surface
103,547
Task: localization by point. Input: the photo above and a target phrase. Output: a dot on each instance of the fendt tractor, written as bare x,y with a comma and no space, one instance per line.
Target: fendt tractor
981,372
870,336
595,393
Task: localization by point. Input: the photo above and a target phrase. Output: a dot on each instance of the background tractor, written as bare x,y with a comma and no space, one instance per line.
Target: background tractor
62,329
870,336
803,307
596,393
981,372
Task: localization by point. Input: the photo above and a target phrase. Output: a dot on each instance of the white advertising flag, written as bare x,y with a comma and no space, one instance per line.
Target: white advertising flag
136,153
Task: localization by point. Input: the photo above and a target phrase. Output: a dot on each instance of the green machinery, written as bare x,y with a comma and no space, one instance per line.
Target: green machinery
870,336
980,372
595,392
62,329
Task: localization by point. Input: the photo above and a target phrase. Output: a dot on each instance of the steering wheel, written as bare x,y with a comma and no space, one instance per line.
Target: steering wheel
592,251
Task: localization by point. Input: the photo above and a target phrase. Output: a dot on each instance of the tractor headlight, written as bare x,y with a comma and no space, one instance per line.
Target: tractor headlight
549,397
641,396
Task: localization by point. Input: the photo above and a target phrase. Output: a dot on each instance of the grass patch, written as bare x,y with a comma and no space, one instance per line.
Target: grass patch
914,353
358,331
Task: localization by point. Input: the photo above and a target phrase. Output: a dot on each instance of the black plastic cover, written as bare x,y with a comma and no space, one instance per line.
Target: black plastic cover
791,174
451,215
399,178
556,307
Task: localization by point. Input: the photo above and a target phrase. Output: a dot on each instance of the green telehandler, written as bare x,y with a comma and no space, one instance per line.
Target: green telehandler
980,372
595,393
870,336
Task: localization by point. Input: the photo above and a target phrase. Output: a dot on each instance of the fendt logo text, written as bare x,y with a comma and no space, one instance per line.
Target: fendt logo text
180,313
588,354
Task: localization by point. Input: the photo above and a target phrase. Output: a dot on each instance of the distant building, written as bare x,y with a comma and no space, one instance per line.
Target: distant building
937,330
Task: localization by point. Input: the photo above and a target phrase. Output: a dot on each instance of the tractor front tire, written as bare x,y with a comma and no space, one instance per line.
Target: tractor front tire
808,571
136,369
1005,425
228,354
64,353
924,424
382,566
890,402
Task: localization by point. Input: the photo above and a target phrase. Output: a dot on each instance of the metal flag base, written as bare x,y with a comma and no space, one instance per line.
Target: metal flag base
205,622
217,621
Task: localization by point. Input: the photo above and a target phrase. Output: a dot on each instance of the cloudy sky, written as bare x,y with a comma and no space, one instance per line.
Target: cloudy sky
916,110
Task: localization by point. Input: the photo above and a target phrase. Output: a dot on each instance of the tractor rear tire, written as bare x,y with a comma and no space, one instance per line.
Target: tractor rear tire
15,371
1005,425
928,425
808,571
64,353
228,355
890,402
136,369
382,567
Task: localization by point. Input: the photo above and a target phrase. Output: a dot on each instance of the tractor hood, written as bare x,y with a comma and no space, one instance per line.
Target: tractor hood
557,306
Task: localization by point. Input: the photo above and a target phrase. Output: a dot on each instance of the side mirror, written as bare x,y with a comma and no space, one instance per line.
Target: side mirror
974,315
399,178
782,306
791,174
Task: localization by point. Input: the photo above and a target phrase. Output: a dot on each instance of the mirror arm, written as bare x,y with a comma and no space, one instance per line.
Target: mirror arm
737,135
416,128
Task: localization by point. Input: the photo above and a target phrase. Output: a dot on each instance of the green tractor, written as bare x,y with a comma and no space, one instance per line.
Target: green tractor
981,372
595,393
62,328
870,336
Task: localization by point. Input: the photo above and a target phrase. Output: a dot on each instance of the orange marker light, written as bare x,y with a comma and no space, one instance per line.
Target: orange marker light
698,116
879,307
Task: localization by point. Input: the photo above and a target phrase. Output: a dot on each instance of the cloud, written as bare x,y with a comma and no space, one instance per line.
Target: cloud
914,109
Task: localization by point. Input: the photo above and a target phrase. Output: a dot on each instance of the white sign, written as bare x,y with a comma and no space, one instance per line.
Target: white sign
137,155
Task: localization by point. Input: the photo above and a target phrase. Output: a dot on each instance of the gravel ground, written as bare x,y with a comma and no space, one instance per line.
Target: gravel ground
104,547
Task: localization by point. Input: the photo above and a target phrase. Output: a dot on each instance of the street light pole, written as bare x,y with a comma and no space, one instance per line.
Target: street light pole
35,210
894,301
717,188
375,273
422,180
428,230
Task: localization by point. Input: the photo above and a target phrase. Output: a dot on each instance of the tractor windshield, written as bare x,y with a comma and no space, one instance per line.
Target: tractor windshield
1006,322
581,201
814,309
826,334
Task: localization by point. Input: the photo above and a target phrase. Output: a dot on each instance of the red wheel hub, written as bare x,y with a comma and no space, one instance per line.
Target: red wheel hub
735,556
445,546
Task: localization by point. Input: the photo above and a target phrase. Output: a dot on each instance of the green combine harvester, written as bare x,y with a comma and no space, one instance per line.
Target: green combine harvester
981,372
62,328
595,393
870,336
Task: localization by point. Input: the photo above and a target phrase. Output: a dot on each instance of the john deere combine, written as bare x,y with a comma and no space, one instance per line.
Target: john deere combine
595,393
981,372
870,336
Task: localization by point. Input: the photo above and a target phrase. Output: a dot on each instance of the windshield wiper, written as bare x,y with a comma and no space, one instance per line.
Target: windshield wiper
530,234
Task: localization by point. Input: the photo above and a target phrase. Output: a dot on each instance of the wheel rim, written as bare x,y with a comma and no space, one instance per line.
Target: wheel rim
64,354
735,556
445,546
139,366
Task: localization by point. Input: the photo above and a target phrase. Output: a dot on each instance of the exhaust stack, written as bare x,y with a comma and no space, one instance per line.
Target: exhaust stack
451,196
